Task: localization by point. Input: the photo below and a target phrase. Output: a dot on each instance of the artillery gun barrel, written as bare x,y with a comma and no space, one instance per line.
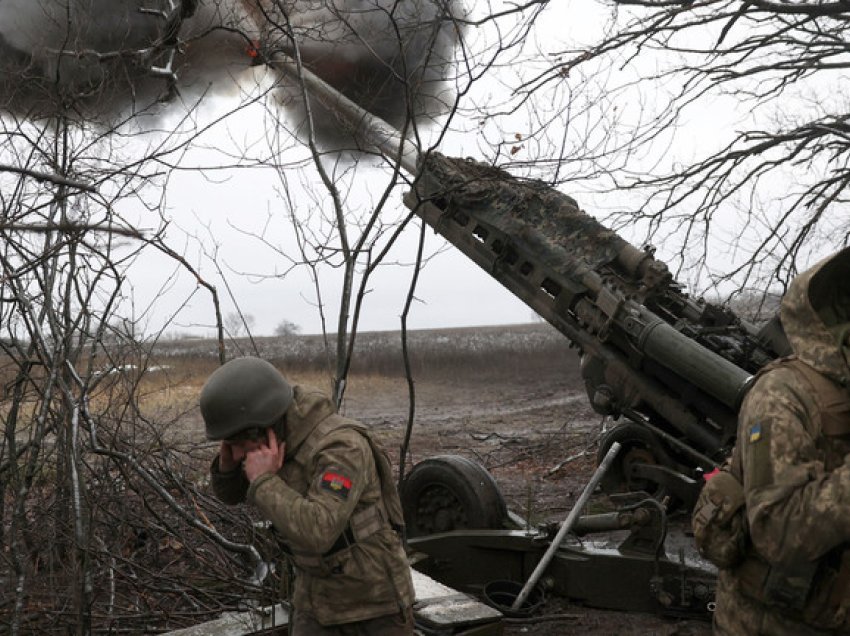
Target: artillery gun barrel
361,123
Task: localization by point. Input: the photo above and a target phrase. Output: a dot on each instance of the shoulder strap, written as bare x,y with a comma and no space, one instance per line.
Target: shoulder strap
389,492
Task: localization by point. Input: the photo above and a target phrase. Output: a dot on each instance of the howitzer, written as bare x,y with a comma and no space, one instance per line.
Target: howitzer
670,368
675,369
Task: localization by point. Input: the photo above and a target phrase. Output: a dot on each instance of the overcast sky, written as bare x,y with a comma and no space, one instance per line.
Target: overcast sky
224,212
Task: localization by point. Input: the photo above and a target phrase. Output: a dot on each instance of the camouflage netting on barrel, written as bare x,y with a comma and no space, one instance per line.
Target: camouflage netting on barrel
539,219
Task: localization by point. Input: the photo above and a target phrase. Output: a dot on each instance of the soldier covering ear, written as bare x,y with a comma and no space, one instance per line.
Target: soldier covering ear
326,486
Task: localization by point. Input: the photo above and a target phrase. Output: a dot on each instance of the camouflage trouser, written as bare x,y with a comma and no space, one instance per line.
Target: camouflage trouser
391,625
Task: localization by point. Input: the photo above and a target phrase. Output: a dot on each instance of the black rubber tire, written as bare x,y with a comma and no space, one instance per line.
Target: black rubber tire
638,445
450,492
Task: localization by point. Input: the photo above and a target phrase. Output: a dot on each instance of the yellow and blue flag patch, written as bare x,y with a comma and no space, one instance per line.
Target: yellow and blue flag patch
755,433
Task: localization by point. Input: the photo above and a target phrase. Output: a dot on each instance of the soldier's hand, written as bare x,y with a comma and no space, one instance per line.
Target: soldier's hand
267,458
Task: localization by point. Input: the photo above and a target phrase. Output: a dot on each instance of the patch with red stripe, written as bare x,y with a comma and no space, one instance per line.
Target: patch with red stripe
337,484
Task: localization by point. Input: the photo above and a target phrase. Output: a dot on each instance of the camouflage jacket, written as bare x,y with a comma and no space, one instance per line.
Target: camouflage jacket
326,505
794,449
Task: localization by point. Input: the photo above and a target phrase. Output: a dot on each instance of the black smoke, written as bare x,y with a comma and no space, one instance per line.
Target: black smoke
101,60
107,59
392,57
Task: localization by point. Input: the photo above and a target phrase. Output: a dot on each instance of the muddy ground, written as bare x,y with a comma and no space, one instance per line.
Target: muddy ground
537,435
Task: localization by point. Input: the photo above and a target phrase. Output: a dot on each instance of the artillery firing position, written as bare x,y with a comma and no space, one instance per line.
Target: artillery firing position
668,369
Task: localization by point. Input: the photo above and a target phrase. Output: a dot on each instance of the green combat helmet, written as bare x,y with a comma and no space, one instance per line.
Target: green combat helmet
245,393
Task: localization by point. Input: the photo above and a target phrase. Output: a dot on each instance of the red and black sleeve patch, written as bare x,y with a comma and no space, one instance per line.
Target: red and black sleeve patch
337,484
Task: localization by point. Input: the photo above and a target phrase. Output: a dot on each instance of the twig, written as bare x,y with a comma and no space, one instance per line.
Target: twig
569,459
70,228
52,178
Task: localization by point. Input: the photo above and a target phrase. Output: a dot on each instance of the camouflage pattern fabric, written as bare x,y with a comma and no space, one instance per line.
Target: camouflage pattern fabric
311,502
393,625
795,454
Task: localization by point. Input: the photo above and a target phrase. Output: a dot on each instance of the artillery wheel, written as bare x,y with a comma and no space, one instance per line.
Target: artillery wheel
639,446
450,492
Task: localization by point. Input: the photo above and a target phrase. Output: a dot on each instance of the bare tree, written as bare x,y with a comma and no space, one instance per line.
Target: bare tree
718,128
237,323
99,504
286,328
92,490
406,63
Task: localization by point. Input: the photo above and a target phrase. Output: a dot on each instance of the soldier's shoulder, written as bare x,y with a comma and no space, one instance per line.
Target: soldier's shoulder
779,390
779,377
342,430
781,384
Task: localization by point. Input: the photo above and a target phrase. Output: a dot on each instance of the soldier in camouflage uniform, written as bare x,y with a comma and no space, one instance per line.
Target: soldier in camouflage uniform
792,458
327,488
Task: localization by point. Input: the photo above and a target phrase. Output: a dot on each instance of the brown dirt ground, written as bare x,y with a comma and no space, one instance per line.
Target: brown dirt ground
537,436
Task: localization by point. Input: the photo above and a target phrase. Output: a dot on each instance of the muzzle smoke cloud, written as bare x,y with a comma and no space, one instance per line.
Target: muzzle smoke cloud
393,57
105,59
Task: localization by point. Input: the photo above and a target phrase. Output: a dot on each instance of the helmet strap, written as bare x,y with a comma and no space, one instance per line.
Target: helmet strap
279,427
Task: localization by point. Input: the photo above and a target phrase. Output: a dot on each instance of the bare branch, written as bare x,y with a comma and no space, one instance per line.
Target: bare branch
51,178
